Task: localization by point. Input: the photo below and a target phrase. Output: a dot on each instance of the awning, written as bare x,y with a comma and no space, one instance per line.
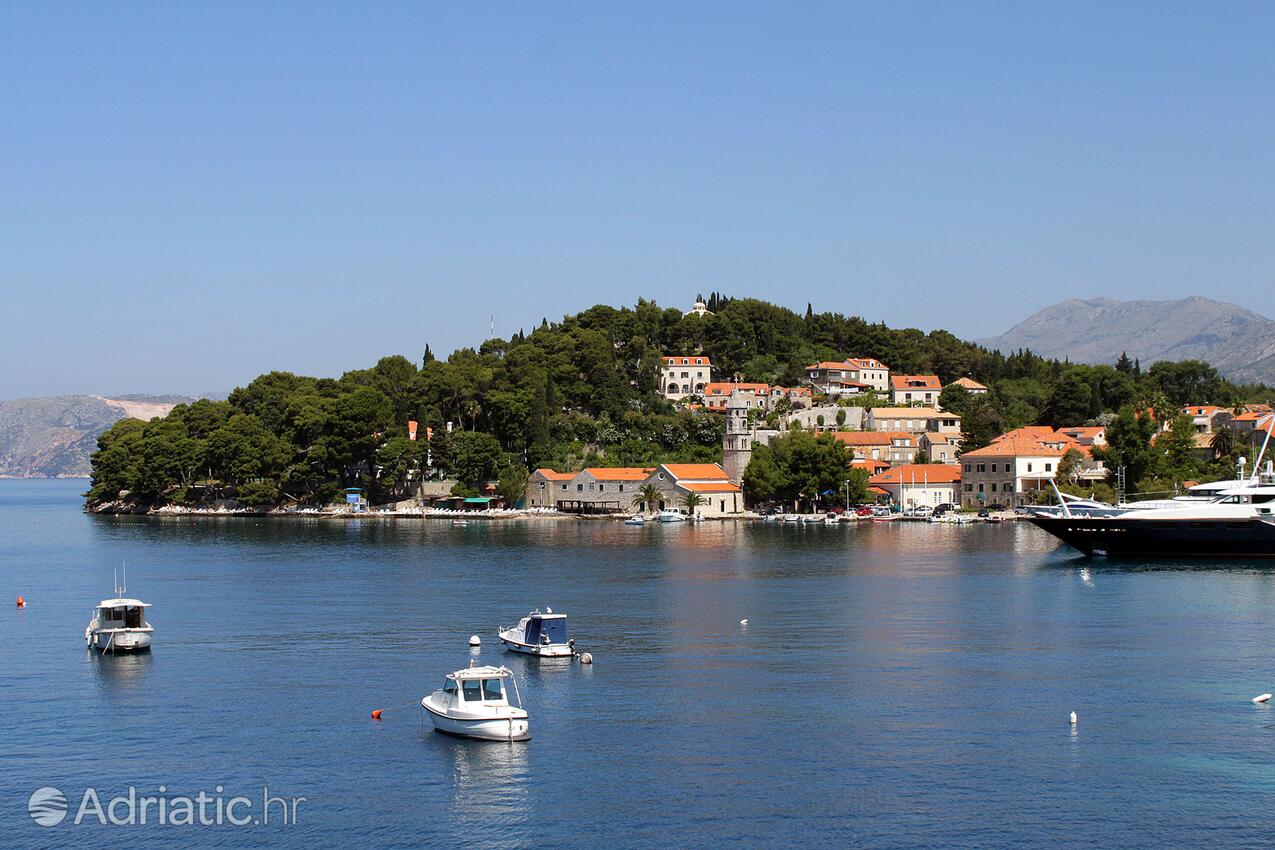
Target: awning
477,500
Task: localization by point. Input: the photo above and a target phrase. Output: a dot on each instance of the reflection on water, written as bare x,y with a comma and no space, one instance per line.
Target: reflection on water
896,684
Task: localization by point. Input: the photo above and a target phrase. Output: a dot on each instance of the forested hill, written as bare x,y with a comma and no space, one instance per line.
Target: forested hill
568,393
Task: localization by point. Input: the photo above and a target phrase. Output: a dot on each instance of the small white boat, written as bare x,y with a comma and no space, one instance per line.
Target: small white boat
119,625
474,703
539,634
831,519
636,519
672,515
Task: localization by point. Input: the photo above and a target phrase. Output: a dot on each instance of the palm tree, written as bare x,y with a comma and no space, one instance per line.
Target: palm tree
647,497
1223,442
691,500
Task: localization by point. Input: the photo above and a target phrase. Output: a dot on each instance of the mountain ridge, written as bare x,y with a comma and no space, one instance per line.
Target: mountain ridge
1237,341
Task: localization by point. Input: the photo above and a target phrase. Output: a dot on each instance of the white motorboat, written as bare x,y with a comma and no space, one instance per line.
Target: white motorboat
539,634
671,515
636,519
474,703
119,625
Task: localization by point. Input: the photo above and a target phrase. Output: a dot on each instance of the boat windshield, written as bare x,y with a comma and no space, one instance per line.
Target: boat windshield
472,690
547,631
492,690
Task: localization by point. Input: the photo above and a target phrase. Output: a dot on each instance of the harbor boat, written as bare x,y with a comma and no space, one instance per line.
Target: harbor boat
474,703
541,634
1239,521
636,519
119,624
671,515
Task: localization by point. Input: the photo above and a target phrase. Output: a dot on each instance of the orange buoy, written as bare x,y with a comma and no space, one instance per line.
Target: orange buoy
376,715
22,603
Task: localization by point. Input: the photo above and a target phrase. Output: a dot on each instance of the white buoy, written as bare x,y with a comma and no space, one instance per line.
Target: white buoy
1073,718
475,640
743,622
586,658
1262,698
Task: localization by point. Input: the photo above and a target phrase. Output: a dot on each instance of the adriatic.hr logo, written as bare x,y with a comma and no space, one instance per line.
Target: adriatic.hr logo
47,806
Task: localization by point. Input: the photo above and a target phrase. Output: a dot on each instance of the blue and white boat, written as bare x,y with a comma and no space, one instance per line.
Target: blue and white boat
541,634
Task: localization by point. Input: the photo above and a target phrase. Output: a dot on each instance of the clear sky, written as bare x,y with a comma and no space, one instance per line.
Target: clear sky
191,196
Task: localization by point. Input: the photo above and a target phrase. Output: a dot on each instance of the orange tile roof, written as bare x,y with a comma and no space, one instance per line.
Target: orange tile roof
969,384
866,363
915,382
1251,416
726,388
909,473
828,364
1030,432
1200,409
697,471
1015,445
710,487
619,473
687,360
872,466
872,438
554,475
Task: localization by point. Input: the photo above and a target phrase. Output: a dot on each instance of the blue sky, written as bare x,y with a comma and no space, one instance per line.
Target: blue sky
192,196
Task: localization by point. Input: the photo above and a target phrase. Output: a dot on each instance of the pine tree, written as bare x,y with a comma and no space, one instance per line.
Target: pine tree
428,356
1124,366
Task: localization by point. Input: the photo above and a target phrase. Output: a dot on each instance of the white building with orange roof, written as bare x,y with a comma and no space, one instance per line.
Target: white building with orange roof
754,396
719,497
683,375
892,447
545,486
603,489
1010,470
915,389
915,484
914,420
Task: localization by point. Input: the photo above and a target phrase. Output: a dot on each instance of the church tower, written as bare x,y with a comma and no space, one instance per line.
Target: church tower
737,442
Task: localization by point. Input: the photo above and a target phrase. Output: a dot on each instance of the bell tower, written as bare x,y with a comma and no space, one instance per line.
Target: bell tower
737,442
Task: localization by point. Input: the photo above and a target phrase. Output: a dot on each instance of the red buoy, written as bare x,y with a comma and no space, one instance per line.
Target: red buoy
22,603
376,715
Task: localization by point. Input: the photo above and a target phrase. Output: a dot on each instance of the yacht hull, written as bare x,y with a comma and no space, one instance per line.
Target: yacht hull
119,640
547,650
1121,536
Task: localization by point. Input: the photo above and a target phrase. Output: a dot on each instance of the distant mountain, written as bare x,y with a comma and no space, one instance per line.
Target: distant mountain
53,437
1238,342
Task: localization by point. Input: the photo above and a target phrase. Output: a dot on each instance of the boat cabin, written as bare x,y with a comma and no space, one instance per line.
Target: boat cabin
476,686
121,614
541,629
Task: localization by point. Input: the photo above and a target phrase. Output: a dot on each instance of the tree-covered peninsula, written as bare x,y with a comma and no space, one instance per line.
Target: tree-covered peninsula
581,391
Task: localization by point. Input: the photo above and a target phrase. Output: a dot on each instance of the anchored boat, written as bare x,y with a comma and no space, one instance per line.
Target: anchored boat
474,703
539,634
119,624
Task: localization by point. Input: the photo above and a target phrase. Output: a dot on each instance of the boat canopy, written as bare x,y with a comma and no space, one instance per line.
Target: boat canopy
546,628
485,672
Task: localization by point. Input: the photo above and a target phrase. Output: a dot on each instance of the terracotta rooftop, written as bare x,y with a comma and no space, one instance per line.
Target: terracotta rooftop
687,360
1012,445
873,438
619,473
908,473
709,487
968,383
917,382
554,475
696,471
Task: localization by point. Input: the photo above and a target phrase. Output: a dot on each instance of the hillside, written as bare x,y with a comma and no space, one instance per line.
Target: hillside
1236,341
53,437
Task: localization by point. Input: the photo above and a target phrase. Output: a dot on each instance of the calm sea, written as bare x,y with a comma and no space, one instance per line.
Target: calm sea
896,685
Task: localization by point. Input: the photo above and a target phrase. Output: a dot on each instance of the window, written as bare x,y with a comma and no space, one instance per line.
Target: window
1029,467
982,467
621,488
1049,467
579,488
969,488
492,689
993,487
993,467
449,687
967,467
980,487
472,690
564,486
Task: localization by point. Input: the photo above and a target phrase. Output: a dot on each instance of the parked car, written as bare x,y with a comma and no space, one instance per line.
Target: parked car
923,512
939,510
984,513
863,510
